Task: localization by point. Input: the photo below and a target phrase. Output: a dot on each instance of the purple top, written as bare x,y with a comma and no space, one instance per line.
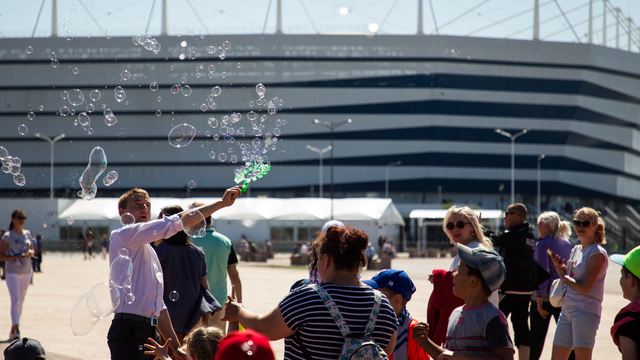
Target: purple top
562,247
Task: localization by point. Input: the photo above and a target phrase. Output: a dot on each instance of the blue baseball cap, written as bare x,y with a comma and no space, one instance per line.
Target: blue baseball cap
487,261
395,280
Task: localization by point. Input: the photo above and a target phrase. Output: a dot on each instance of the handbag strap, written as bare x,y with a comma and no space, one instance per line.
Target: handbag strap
337,316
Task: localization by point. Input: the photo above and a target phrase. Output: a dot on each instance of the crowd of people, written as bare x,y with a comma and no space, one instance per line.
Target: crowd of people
183,310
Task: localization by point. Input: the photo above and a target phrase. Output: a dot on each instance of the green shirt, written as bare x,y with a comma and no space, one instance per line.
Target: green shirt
219,255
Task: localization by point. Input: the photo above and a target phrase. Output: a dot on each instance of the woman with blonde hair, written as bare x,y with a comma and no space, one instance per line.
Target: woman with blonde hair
554,236
580,315
462,226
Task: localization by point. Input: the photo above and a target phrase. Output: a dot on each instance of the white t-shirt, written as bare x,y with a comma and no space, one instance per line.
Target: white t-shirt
18,244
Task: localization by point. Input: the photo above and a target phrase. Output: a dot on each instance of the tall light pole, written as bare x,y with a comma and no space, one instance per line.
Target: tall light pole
52,142
386,177
321,154
331,126
513,157
539,158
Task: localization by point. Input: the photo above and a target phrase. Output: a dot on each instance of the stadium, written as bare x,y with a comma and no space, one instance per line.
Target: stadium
416,118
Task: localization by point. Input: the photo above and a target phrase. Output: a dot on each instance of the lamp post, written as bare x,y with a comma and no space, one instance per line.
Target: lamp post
321,154
539,158
331,126
52,142
386,177
513,157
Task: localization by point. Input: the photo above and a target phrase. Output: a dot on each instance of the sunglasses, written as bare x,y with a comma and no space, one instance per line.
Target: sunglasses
21,217
585,223
459,225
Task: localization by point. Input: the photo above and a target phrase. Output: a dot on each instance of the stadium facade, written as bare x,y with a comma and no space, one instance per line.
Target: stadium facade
431,102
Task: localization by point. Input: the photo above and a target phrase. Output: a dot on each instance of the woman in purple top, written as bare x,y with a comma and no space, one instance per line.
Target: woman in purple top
554,235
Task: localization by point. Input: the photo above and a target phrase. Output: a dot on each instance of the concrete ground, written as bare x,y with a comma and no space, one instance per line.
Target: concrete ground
65,278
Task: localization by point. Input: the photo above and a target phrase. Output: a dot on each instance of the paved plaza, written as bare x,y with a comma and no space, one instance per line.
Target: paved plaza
66,278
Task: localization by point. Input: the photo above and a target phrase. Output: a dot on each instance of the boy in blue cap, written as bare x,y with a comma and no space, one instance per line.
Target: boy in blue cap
478,329
398,288
626,326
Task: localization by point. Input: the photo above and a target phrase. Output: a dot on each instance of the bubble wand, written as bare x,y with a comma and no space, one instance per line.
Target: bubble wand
251,171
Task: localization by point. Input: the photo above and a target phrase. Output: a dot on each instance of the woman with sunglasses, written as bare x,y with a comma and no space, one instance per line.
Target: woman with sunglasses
554,236
462,226
580,315
16,248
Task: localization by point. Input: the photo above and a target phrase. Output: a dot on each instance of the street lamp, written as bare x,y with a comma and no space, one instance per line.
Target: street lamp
321,154
52,142
386,177
539,158
331,126
513,157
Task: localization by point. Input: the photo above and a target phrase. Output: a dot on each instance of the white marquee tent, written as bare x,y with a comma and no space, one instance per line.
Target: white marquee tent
257,217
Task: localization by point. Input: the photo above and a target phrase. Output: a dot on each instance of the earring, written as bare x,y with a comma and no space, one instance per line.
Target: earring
473,233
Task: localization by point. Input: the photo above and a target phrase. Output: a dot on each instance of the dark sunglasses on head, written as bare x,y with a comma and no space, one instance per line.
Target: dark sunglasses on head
585,223
459,225
21,217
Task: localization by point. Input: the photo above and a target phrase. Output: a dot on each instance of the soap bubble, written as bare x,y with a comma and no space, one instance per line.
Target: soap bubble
204,107
213,122
260,90
129,298
186,90
181,135
123,251
120,271
154,86
110,120
224,74
125,75
222,157
70,220
82,321
52,56
119,93
251,115
106,298
174,296
216,91
159,98
272,110
127,219
19,179
238,65
75,71
194,223
110,178
90,108
55,63
75,97
95,168
23,129
212,154
31,115
64,94
175,89
83,118
191,184
95,95
158,112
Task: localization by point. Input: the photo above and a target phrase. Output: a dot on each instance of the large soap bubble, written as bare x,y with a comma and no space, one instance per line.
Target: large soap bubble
194,224
127,219
82,321
97,165
121,270
75,97
181,135
107,298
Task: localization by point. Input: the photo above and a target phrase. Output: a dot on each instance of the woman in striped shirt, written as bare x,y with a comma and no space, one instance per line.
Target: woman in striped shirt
303,319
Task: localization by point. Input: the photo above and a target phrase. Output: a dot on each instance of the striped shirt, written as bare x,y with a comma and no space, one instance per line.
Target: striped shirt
306,314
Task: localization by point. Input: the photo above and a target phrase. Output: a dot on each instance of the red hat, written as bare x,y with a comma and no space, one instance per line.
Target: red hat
244,345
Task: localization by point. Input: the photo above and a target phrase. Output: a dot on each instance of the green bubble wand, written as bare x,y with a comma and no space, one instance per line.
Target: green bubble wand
251,172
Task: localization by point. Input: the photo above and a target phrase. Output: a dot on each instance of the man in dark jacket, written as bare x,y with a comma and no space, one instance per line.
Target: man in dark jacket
517,248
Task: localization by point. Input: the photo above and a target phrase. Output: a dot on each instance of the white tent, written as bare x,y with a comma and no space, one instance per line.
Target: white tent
255,217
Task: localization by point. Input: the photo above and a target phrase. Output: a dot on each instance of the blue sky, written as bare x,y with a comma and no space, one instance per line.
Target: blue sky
485,18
